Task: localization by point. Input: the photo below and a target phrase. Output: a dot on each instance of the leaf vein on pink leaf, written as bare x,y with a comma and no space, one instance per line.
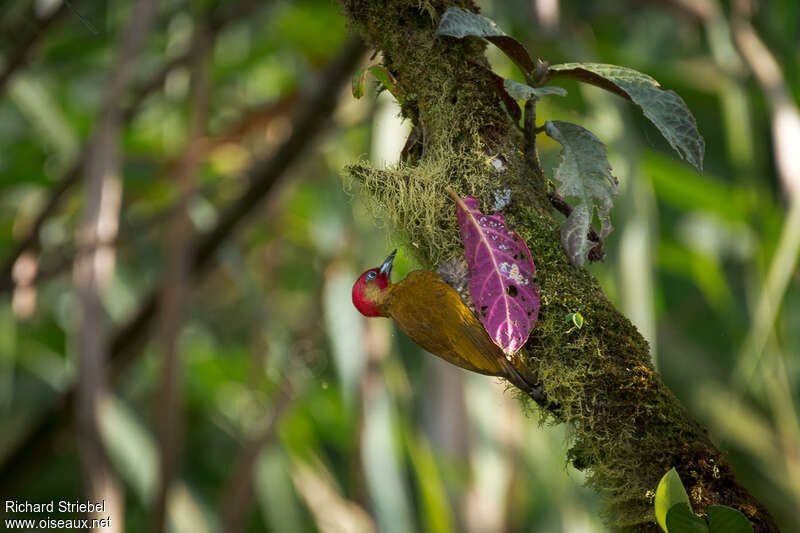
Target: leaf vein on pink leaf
501,275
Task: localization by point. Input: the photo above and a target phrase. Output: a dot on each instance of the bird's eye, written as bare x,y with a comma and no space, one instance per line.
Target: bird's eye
371,275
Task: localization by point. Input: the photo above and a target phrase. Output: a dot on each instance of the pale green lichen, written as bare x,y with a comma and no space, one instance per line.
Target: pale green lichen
415,205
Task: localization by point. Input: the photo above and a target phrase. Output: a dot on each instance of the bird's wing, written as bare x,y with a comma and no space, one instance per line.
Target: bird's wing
431,313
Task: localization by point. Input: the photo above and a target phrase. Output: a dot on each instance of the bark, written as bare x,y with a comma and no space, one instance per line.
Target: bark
628,428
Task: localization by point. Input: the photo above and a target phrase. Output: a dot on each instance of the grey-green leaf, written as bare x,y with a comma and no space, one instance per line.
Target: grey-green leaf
680,519
522,91
574,234
456,22
583,173
665,109
728,520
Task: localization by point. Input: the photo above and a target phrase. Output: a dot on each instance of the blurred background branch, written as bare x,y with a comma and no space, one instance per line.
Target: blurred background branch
30,36
56,261
237,495
312,111
30,241
176,273
94,270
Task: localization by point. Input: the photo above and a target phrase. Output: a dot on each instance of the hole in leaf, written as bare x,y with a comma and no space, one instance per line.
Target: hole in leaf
511,290
483,310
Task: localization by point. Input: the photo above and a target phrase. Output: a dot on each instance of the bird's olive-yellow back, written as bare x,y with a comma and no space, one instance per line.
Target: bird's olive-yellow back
431,313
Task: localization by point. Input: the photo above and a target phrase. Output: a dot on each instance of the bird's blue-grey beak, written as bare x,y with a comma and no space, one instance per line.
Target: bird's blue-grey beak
386,267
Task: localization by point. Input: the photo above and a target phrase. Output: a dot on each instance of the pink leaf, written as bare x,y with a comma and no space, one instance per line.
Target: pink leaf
501,273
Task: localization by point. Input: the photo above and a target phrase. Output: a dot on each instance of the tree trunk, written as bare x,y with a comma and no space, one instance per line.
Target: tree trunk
628,428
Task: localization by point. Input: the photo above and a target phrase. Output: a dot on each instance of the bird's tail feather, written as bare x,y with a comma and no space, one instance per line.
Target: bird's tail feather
526,382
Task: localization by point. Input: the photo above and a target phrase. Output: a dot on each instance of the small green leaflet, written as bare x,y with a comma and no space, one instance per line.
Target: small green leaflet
674,512
681,519
456,22
722,518
665,109
576,319
383,76
358,83
669,492
583,173
522,91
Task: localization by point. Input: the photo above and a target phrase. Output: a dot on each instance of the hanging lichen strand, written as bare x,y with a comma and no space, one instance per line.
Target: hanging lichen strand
628,428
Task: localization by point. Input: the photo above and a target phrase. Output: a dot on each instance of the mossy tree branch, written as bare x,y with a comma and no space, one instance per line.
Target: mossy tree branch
629,429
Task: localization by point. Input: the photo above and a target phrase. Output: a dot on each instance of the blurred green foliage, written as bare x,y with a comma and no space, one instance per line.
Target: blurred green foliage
377,434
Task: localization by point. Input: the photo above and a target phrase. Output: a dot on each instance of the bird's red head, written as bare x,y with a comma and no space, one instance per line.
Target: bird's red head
370,286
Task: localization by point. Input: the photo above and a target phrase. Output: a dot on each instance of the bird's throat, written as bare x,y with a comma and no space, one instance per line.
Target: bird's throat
380,297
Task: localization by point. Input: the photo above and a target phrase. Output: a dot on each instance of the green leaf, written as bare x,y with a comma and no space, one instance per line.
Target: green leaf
459,23
358,83
679,187
437,516
274,492
576,319
383,76
132,449
665,109
349,358
724,519
669,492
511,105
681,519
522,91
583,173
37,103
